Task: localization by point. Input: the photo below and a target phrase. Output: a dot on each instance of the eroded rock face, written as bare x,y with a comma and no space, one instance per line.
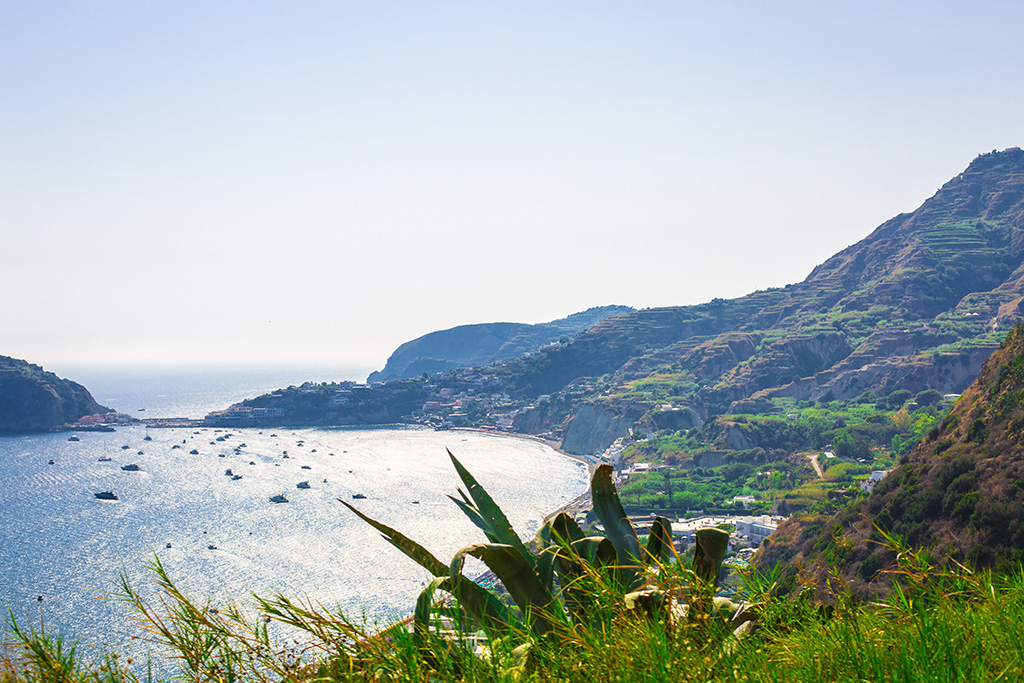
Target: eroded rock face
595,427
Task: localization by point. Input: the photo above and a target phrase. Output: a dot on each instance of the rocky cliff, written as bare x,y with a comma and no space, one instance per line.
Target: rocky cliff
33,400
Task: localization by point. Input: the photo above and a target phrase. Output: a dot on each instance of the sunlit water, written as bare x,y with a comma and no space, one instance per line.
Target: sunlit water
59,542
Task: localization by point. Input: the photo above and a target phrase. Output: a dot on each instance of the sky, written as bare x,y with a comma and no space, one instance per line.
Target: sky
314,183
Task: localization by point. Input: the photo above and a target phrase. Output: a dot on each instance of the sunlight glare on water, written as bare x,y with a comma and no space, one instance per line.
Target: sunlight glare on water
60,542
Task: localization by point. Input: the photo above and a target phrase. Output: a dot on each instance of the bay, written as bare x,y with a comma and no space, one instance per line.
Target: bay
60,542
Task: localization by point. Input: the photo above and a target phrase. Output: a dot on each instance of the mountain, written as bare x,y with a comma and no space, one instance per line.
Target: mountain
34,400
485,343
918,304
960,493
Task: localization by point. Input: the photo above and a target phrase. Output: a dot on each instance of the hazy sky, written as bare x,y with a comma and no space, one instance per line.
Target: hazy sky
318,182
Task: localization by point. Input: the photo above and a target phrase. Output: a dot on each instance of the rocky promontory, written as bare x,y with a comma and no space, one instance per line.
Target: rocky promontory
34,400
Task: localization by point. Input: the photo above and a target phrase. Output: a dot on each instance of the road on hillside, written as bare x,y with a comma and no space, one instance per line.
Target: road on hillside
817,467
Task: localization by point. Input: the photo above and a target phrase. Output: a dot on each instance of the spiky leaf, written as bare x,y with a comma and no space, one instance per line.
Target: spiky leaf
414,550
617,526
518,577
712,544
659,543
500,528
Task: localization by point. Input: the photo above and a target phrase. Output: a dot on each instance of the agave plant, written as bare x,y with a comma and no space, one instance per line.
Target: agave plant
563,551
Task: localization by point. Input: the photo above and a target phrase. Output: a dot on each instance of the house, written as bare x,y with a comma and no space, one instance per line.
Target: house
869,483
755,529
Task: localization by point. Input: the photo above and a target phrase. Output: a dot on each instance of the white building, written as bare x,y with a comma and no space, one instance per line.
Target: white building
755,529
869,483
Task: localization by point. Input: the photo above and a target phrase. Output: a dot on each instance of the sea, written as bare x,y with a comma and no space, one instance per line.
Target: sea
199,502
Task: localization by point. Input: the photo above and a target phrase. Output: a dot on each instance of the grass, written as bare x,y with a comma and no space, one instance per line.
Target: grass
938,624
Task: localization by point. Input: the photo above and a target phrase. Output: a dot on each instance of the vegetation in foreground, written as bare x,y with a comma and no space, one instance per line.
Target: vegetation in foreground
941,626
577,608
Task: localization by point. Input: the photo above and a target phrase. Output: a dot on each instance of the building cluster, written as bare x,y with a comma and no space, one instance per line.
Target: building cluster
239,413
105,419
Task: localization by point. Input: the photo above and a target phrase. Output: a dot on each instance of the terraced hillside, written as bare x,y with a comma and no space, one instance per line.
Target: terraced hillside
918,304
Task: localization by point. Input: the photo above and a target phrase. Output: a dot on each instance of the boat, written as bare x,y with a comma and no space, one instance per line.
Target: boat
73,438
278,499
168,545
51,462
358,496
106,495
125,447
147,438
131,468
236,477
104,459
140,453
175,446
211,547
228,473
193,452
302,485
306,467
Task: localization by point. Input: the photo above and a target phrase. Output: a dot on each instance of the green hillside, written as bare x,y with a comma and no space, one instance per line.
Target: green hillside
960,493
917,305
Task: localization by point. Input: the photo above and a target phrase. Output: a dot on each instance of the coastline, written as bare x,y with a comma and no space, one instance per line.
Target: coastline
582,501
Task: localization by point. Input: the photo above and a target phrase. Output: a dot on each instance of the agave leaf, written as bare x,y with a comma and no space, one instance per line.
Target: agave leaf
589,555
482,606
414,550
500,527
546,557
558,532
475,516
712,544
518,577
617,526
564,528
659,543
596,550
424,608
